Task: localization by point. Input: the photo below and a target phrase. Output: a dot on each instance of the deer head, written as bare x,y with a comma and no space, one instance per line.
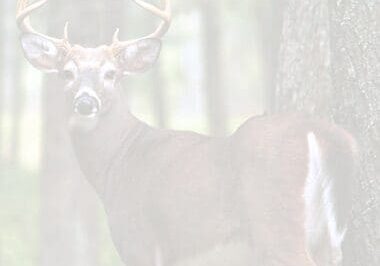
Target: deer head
91,75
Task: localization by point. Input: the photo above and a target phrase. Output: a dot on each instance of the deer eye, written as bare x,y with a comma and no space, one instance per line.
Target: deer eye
68,75
110,75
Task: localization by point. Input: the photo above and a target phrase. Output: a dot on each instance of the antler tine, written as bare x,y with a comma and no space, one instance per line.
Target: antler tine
22,17
164,14
66,31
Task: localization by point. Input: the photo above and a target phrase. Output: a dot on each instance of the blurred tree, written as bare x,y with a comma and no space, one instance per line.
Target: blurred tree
2,74
159,99
70,219
212,84
11,74
18,94
329,67
60,173
147,24
158,83
269,14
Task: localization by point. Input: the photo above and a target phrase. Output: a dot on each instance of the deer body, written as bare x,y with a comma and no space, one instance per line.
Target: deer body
187,193
279,186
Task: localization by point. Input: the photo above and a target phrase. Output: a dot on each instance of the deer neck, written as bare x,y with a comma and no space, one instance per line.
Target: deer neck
96,150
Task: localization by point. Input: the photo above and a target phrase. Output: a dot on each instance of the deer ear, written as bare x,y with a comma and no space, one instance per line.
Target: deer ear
40,52
139,56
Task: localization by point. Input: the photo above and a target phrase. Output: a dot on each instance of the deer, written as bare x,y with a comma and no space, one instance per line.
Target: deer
280,185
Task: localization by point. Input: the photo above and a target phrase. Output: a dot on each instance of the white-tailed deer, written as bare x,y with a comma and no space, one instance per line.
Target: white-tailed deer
279,185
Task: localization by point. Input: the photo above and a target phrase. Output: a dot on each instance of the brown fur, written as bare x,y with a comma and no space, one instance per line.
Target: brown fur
186,194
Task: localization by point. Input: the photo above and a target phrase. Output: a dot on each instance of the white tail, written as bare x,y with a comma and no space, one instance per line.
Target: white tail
322,236
325,228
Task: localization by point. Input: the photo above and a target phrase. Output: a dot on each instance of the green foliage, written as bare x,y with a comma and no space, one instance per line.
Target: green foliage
19,217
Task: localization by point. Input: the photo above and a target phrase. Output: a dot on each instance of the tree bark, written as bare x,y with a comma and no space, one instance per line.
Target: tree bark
355,60
304,81
329,67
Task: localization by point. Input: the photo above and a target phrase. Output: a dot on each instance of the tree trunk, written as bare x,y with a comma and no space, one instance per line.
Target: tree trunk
355,44
269,13
17,103
69,206
60,173
159,98
329,67
2,71
11,87
211,12
304,81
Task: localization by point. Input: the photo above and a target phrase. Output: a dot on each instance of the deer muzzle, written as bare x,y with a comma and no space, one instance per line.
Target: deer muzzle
87,103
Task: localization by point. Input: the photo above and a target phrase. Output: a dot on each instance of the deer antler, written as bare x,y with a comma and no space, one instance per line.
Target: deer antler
164,14
22,17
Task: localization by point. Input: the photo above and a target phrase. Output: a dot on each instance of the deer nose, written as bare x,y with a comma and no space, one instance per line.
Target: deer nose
86,105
